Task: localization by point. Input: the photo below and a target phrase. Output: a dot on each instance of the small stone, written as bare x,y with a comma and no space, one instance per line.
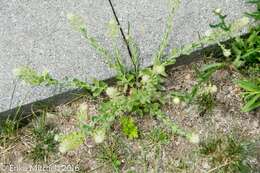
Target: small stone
206,165
187,77
255,124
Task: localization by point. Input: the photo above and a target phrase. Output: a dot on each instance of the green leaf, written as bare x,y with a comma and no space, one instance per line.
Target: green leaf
255,15
32,77
247,85
252,104
212,66
129,127
98,87
251,95
80,84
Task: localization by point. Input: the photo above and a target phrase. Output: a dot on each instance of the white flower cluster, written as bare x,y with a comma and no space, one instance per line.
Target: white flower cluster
218,11
112,92
76,22
99,136
211,89
159,69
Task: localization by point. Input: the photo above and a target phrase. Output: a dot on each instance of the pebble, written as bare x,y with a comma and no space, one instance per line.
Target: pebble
255,124
187,77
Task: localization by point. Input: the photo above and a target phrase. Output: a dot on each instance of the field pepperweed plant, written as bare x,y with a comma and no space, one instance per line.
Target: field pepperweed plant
138,92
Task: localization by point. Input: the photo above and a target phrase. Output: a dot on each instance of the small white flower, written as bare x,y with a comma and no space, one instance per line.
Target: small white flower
218,11
194,138
111,92
127,37
176,100
63,149
56,137
76,22
70,16
244,21
227,52
113,28
83,108
99,136
145,78
208,33
17,71
213,89
159,69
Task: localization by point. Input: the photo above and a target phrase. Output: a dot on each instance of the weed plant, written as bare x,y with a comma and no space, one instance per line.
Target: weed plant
229,153
45,145
243,55
137,93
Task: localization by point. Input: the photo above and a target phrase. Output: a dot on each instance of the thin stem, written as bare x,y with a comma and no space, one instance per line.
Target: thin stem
123,35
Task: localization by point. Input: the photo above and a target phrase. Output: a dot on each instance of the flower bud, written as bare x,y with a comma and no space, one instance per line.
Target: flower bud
57,137
176,100
213,89
76,22
99,136
145,78
244,21
17,71
227,52
111,92
218,11
83,108
194,138
208,33
159,69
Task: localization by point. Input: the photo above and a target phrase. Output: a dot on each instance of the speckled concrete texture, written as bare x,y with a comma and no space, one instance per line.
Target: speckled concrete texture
192,19
37,34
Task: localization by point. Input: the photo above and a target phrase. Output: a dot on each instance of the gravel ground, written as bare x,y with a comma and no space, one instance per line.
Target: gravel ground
142,155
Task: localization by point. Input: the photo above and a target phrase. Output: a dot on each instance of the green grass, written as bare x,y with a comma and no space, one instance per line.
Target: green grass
44,140
109,154
206,103
159,136
228,153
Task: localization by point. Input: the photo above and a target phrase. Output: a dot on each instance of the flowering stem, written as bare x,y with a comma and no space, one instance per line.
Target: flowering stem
123,35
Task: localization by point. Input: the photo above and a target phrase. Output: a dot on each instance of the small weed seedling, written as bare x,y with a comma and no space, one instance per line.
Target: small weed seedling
206,102
109,154
43,137
8,130
129,127
159,136
227,154
9,127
